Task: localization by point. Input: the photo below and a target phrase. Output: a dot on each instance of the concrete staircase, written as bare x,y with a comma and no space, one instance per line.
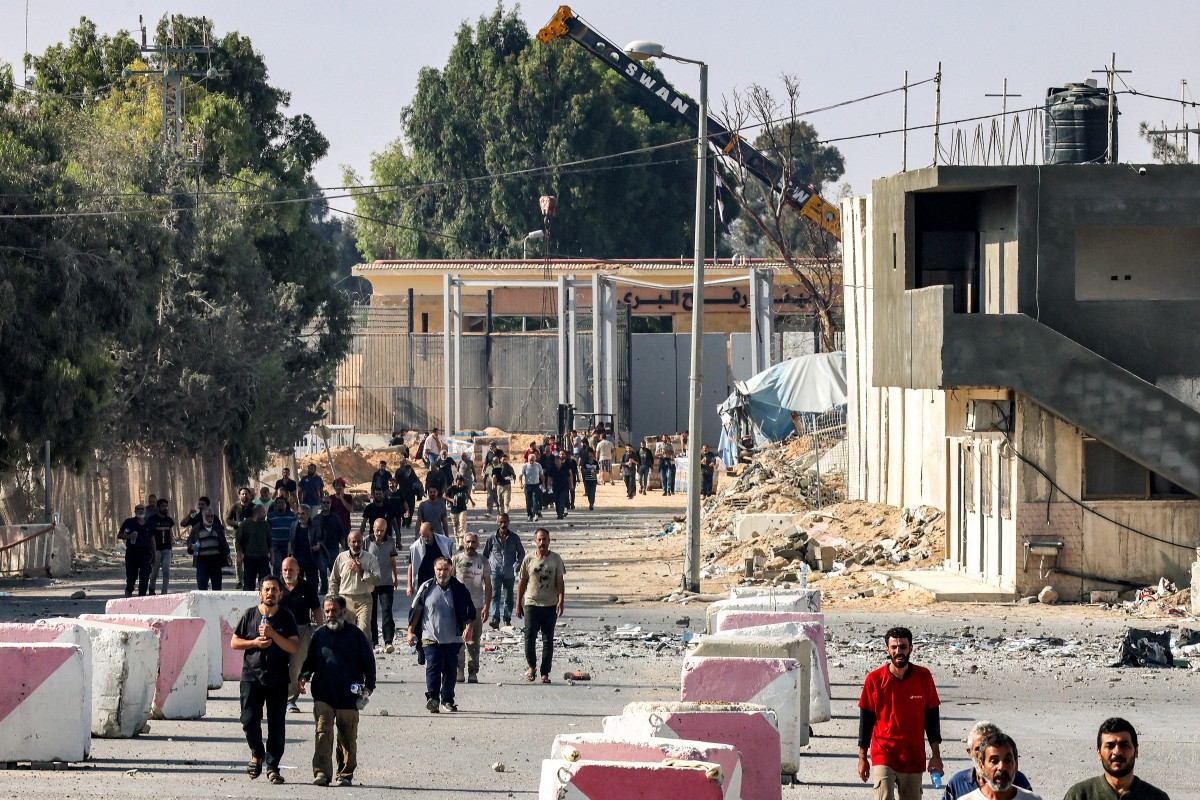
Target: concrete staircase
1134,417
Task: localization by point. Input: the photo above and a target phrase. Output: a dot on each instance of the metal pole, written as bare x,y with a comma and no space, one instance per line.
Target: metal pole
597,390
904,149
1111,72
937,111
817,450
562,339
691,559
46,480
458,348
572,354
487,359
447,352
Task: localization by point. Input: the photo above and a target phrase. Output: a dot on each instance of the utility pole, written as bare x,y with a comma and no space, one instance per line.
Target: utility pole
1004,95
937,111
904,146
1112,72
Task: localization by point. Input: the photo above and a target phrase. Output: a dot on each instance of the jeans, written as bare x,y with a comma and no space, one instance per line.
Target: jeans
630,484
706,485
643,478
666,473
381,607
539,619
137,569
491,500
502,596
560,502
323,563
279,551
441,668
208,572
253,568
589,488
532,507
343,722
254,696
160,562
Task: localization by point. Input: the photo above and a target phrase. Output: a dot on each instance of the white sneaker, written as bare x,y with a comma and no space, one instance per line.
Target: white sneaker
378,648
389,648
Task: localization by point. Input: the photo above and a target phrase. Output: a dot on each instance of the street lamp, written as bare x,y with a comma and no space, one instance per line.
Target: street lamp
525,243
640,51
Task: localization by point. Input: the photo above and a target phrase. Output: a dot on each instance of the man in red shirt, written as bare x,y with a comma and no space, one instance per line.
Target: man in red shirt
342,503
898,710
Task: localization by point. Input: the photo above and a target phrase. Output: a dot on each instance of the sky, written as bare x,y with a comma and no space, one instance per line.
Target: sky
353,66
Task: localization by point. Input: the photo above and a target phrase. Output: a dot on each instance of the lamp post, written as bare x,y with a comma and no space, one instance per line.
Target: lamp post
640,51
525,243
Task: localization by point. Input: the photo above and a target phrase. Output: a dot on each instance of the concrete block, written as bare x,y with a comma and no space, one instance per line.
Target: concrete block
772,682
620,780
45,702
751,728
749,524
808,601
220,610
814,595
67,632
124,672
181,691
786,624
753,643
603,747
36,550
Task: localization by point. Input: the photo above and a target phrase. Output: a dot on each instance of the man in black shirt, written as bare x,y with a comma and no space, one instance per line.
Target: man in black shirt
378,508
139,549
708,471
267,636
339,659
286,487
410,490
164,537
558,478
300,598
380,478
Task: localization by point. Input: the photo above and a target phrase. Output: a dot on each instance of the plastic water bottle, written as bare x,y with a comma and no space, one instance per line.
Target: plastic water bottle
804,575
935,777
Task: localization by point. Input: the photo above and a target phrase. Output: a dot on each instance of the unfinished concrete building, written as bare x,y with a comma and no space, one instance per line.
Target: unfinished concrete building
1023,352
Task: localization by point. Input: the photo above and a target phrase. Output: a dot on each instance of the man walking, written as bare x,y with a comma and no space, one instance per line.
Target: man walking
558,480
442,610
432,448
503,552
433,511
471,570
1117,749
285,487
502,477
379,508
604,455
630,464
354,576
541,592
459,497
384,549
531,481
164,539
970,779
267,637
312,487
708,471
998,768
253,541
342,503
423,555
299,597
281,518
589,471
339,660
234,517
139,550
898,710
329,533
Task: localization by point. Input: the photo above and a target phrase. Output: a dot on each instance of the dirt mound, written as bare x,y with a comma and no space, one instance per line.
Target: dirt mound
350,464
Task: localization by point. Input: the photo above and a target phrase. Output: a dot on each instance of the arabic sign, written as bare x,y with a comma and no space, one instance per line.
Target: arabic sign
718,298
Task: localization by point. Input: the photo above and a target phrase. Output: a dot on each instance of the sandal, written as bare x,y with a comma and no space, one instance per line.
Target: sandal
545,679
530,675
254,768
274,777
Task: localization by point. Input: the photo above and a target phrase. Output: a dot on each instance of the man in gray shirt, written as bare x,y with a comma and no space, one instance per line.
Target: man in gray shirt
434,512
442,612
503,552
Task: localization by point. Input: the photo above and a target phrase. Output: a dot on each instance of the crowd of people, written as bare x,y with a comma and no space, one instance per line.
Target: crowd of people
899,712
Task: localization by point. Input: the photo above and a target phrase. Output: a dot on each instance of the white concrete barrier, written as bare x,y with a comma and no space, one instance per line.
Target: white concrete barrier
774,591
745,644
625,780
181,691
772,682
221,610
35,550
809,602
124,671
751,728
603,747
749,524
786,625
44,703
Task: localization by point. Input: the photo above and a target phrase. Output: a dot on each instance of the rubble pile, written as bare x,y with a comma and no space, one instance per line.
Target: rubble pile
352,464
778,481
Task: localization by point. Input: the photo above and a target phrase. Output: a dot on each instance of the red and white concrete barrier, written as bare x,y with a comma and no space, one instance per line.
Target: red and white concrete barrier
181,691
220,610
752,729
625,780
68,631
44,703
603,747
124,672
772,682
807,602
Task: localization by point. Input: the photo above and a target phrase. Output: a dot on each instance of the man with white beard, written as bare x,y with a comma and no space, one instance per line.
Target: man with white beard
998,769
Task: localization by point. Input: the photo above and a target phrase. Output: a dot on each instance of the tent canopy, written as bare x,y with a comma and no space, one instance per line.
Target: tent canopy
807,385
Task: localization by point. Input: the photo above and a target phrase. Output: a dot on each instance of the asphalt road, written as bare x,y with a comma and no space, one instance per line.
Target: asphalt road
1050,704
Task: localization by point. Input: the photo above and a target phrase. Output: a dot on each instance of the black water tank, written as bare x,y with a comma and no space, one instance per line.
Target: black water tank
1077,124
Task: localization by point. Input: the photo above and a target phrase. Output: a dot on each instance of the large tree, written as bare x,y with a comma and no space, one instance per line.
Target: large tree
767,226
195,311
505,104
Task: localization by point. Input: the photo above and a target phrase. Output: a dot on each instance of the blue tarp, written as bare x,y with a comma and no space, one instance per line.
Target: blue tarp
808,385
